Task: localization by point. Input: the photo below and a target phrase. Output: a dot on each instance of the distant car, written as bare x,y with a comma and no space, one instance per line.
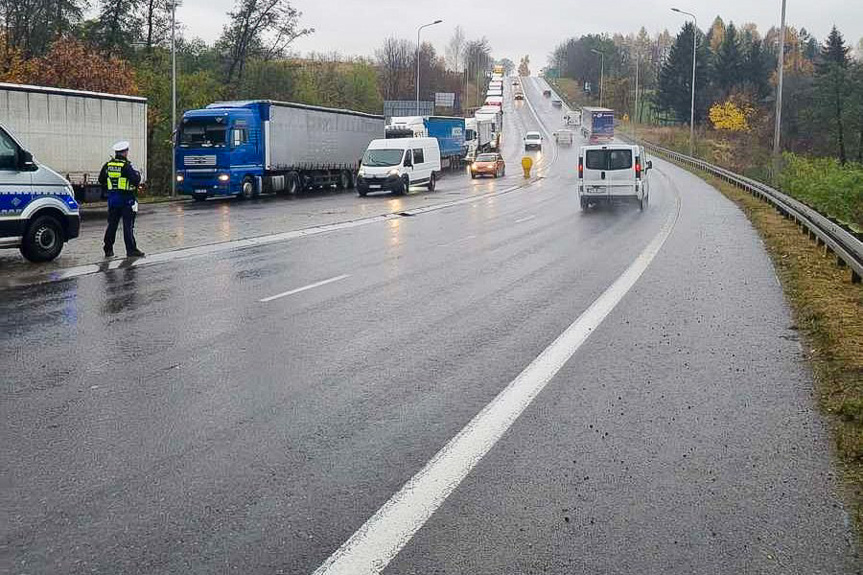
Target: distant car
557,103
613,173
546,93
532,140
563,136
488,165
519,96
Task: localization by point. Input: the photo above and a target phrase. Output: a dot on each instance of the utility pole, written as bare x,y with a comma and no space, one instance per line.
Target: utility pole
173,4
418,60
635,111
692,106
777,128
601,74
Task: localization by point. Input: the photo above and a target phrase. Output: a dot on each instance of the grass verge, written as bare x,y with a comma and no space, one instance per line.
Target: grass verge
828,312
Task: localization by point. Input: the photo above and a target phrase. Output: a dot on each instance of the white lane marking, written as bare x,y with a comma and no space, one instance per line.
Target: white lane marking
382,537
525,219
304,288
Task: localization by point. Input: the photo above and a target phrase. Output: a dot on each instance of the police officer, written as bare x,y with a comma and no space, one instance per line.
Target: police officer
120,179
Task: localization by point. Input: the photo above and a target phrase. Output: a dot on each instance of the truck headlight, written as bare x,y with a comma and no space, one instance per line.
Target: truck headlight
180,178
224,177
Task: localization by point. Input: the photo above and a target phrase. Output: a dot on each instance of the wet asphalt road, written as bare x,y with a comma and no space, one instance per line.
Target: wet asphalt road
161,418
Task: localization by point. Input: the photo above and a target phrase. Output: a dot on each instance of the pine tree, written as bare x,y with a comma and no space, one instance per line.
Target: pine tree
675,77
834,86
728,64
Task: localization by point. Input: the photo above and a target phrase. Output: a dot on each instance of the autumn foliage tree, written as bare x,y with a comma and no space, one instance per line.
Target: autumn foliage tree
72,64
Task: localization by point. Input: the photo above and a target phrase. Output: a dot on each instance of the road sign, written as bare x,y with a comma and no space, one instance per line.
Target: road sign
444,99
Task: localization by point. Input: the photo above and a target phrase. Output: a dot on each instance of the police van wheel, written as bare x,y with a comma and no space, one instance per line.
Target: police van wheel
43,240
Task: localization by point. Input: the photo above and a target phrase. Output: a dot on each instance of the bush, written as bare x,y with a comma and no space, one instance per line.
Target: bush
826,186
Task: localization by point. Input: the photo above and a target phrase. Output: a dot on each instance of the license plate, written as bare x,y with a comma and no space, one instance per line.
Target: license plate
596,189
200,191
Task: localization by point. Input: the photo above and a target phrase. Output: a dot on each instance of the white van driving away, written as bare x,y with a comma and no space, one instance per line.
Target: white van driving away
397,164
614,172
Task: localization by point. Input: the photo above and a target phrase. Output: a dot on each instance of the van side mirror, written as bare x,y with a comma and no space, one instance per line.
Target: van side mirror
27,164
649,165
409,163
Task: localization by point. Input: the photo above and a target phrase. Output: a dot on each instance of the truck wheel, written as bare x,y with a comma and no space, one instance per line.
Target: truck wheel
43,240
293,184
432,182
344,180
247,191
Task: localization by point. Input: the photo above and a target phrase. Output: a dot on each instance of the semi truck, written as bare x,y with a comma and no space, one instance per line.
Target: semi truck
448,131
597,125
246,148
73,131
479,135
494,115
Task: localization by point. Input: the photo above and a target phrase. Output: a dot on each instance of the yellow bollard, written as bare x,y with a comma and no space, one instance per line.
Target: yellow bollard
526,164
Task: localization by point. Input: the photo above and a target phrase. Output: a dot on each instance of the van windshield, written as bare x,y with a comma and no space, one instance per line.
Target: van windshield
382,158
608,159
203,133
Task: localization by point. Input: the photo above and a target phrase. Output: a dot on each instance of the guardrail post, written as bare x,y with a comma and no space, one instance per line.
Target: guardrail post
855,277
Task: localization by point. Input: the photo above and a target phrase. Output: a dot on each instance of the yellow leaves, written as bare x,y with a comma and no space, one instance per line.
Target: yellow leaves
731,116
13,67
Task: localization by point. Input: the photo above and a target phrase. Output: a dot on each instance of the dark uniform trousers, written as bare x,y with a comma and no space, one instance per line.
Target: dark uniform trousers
115,214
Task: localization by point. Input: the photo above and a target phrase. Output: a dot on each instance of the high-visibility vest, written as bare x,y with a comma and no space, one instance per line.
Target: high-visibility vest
116,181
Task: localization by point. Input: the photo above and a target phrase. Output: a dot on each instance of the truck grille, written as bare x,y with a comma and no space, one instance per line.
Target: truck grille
199,160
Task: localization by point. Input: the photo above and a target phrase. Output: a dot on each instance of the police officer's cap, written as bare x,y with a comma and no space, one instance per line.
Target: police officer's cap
121,146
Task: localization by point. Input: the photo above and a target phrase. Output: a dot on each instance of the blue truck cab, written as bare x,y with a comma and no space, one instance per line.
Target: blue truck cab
220,150
38,211
450,134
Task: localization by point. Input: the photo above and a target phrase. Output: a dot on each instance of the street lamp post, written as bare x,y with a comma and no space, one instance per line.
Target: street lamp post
692,105
601,74
418,59
777,128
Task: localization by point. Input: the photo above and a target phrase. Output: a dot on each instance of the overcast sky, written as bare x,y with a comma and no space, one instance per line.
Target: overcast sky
518,27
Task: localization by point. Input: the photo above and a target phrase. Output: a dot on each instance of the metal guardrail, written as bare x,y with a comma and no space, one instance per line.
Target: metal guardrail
847,248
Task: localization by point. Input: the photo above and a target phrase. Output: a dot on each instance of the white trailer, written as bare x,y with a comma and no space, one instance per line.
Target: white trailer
479,136
494,115
72,131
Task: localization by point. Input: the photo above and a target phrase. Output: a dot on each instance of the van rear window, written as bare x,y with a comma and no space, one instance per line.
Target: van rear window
608,159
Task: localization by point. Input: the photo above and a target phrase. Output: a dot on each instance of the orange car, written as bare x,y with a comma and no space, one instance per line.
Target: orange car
488,165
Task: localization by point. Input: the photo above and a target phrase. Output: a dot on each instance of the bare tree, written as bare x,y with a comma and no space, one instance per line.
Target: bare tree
262,28
395,60
454,48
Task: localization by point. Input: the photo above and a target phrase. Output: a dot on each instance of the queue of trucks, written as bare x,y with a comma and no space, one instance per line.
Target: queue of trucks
239,148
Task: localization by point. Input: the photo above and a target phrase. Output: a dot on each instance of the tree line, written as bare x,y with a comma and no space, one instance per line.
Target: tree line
125,49
736,77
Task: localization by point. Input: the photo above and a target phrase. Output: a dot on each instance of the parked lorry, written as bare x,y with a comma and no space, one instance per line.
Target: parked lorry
448,131
479,135
597,124
450,134
406,127
73,131
495,116
246,148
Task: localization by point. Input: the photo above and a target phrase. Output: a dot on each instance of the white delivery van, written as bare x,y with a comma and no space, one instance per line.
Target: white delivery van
563,137
38,211
614,172
397,164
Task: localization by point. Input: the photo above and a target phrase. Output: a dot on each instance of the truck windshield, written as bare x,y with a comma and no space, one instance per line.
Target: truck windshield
203,133
381,158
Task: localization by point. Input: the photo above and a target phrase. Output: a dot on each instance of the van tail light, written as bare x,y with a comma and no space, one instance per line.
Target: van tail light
638,168
581,168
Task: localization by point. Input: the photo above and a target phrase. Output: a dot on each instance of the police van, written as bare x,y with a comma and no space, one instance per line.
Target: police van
38,211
